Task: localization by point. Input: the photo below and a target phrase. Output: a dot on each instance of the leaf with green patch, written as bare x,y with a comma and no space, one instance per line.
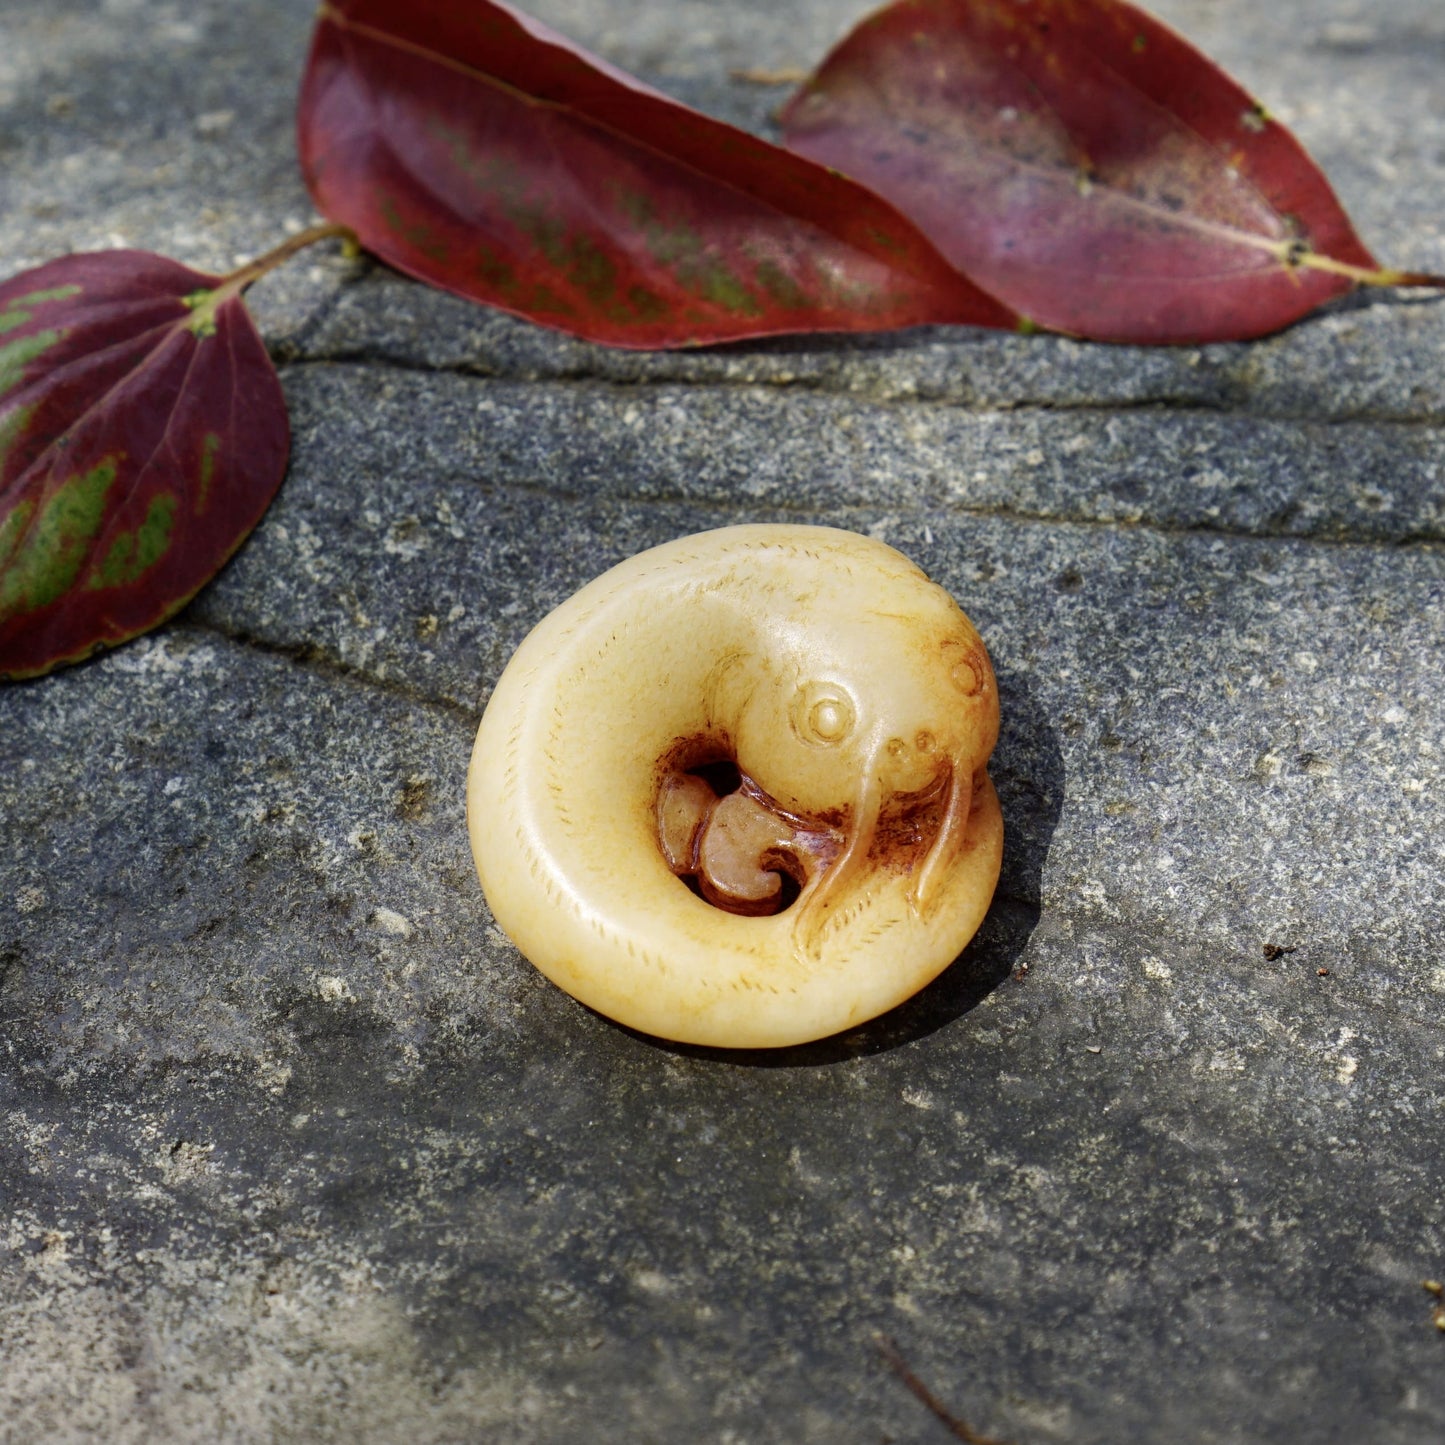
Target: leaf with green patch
1086,165
471,147
142,435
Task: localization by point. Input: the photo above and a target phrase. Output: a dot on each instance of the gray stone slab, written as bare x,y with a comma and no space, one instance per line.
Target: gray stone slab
1172,467
294,1146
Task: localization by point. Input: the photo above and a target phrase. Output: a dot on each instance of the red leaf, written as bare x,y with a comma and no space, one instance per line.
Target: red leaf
1084,164
474,149
142,434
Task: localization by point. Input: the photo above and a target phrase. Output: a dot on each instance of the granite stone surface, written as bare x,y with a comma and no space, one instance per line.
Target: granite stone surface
294,1146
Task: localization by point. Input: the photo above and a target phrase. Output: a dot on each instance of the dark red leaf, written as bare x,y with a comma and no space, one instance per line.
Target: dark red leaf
1083,163
142,434
471,147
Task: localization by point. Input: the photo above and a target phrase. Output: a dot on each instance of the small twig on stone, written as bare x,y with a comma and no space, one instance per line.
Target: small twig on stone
960,1428
762,75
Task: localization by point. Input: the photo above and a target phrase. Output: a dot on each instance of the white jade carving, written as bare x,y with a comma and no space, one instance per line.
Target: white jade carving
765,711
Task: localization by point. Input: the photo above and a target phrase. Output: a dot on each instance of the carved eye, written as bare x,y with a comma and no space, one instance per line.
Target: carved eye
967,668
822,714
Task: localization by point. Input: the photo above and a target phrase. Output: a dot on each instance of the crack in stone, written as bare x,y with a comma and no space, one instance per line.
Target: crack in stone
866,512
581,376
1418,540
317,660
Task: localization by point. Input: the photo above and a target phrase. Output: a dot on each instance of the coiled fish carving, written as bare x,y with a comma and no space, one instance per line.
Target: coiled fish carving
843,706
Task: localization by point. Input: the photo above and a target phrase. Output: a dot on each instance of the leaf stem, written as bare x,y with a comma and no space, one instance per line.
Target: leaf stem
252,271
207,303
1363,275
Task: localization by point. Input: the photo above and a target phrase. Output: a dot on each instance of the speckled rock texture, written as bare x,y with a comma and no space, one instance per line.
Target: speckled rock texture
295,1147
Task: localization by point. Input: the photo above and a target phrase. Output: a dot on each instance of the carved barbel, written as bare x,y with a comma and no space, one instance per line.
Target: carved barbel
759,718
